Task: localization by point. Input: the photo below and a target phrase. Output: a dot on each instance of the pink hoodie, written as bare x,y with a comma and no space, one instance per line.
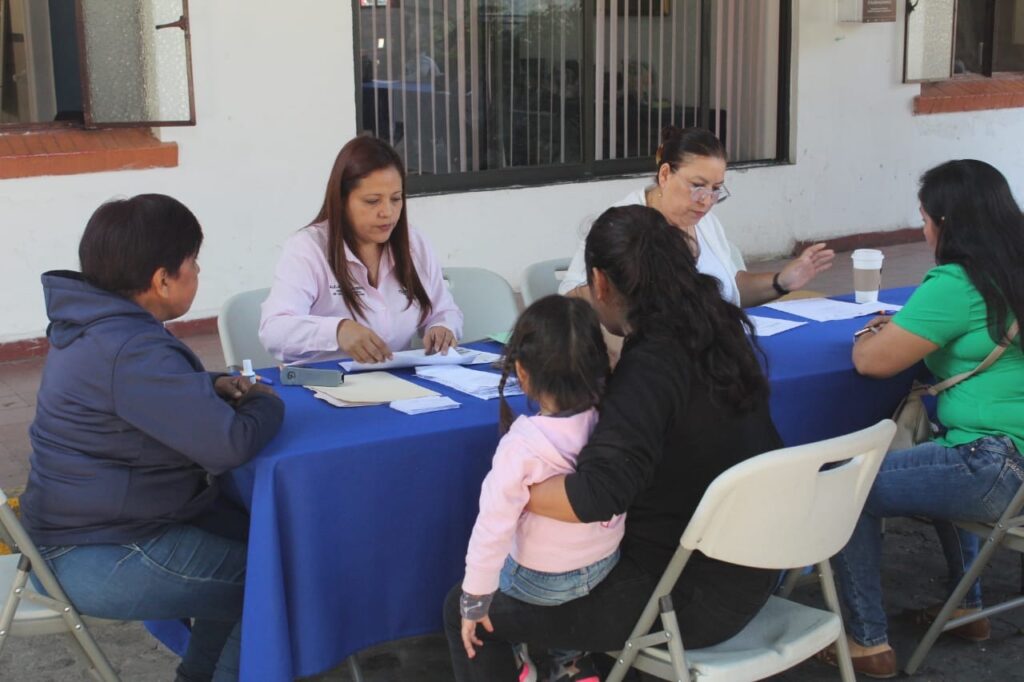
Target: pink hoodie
533,450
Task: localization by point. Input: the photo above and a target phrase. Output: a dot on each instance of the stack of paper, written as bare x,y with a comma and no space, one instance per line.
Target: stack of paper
768,326
483,385
485,358
413,358
826,310
419,358
423,405
371,388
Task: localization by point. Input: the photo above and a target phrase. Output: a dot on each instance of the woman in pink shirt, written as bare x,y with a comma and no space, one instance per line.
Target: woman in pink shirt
358,281
559,356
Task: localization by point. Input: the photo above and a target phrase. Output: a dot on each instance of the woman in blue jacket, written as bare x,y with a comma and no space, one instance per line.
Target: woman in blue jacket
130,432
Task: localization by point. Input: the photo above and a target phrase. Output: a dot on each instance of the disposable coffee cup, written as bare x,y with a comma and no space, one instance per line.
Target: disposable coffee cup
867,274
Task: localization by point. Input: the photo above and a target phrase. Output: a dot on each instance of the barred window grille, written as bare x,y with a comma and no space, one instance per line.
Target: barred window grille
469,86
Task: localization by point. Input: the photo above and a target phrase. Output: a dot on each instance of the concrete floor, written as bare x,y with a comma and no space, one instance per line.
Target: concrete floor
912,571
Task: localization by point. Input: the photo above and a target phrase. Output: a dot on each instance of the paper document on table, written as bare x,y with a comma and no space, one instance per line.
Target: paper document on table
485,358
768,326
483,385
424,405
413,358
827,310
330,400
373,388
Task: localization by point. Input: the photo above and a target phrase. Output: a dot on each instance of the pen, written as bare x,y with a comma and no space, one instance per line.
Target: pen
890,313
264,380
860,332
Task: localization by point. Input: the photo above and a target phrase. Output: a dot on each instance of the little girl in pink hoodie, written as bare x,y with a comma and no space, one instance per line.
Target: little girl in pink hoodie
560,359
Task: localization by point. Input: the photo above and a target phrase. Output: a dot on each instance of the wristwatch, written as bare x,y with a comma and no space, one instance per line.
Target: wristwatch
779,289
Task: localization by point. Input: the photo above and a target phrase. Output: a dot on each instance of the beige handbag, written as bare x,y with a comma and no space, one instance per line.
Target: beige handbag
911,416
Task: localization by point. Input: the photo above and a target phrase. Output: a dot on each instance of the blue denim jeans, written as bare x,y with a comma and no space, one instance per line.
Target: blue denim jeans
184,572
972,482
552,589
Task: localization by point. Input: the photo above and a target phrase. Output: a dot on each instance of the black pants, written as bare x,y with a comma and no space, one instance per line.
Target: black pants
710,609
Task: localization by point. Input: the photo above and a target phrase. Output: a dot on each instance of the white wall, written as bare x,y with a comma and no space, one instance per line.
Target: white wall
274,96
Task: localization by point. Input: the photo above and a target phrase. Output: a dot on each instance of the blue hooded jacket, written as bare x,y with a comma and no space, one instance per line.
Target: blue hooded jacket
129,430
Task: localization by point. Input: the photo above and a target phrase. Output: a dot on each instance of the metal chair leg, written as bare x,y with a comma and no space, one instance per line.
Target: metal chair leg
828,588
938,626
792,579
354,669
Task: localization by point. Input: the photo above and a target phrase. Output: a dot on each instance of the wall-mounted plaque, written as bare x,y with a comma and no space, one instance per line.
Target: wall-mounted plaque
867,11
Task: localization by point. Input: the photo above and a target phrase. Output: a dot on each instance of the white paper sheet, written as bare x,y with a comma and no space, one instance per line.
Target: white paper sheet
827,310
424,405
485,358
414,358
768,326
483,385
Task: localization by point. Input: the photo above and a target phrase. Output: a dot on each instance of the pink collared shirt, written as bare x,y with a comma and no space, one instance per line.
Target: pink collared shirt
301,316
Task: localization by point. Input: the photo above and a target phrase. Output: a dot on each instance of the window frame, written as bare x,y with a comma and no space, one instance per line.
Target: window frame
589,169
88,122
987,55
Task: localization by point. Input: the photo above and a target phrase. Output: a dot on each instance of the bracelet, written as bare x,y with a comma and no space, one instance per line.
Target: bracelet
779,289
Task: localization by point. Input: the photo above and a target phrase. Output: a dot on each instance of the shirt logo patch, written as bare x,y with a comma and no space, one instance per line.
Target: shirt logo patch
356,289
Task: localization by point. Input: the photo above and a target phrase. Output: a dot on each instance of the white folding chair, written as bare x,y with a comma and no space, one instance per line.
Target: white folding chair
238,325
541,279
487,302
1007,532
24,612
778,510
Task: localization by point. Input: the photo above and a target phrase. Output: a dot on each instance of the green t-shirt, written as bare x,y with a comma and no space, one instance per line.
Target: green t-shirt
948,311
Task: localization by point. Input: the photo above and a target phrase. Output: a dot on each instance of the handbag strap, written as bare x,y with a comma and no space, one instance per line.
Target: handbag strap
1011,333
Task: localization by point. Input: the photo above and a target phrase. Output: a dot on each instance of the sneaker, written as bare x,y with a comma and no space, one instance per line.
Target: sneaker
580,669
527,670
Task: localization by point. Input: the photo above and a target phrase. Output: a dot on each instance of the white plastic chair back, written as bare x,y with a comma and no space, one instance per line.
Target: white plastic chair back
541,279
487,302
777,510
238,325
780,510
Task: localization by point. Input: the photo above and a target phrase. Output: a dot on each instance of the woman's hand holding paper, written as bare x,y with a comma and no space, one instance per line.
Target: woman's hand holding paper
361,343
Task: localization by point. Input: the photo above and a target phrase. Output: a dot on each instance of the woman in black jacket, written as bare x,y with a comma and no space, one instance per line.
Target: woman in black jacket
687,401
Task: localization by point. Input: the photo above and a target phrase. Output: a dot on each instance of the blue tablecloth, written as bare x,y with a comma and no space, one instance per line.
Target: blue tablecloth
816,393
360,516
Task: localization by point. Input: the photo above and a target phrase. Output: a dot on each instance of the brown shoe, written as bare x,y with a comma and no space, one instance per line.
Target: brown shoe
880,666
975,631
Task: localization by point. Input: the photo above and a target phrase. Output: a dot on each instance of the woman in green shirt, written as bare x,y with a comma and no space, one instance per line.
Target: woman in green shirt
963,308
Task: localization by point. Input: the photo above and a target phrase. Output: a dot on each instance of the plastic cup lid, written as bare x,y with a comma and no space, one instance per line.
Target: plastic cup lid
868,255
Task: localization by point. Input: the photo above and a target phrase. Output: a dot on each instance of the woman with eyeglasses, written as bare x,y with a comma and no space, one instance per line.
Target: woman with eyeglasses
689,182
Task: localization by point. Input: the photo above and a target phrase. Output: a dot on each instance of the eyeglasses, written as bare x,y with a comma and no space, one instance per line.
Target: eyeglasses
699,193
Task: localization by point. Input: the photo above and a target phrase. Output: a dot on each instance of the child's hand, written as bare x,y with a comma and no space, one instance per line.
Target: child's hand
469,637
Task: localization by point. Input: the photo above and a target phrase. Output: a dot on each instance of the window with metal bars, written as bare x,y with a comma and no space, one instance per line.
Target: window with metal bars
95,63
492,93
